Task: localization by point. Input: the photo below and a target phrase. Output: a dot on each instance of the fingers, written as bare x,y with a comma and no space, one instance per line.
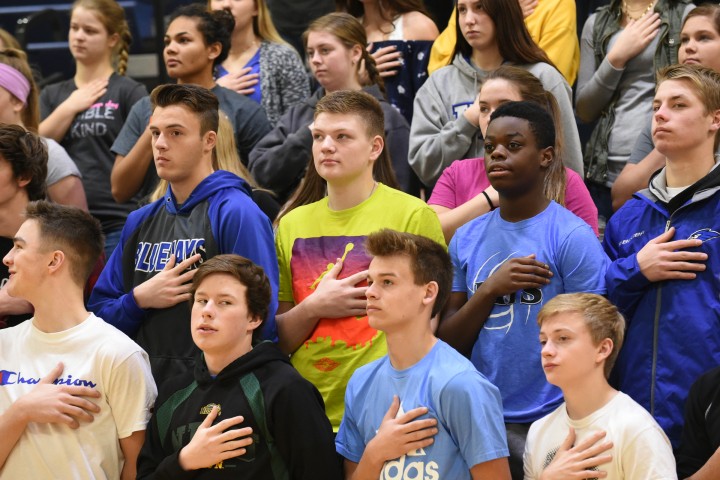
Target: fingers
335,270
356,278
188,262
681,244
393,410
411,415
242,436
210,418
591,439
170,263
54,373
569,440
229,422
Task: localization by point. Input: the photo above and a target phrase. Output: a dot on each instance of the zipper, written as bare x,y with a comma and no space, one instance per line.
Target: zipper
656,328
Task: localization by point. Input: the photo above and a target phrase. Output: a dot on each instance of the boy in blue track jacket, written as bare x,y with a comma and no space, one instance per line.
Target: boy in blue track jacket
665,247
144,288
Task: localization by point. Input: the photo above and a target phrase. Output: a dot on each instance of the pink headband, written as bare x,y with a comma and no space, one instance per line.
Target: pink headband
14,82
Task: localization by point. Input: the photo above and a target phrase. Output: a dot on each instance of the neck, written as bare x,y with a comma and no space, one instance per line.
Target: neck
182,189
217,361
487,59
48,302
203,79
85,74
351,194
408,346
351,84
587,395
687,169
522,207
11,215
242,41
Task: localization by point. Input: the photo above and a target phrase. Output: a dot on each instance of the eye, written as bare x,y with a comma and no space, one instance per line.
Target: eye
543,343
74,28
166,41
514,145
309,53
317,137
484,109
154,133
387,282
201,301
226,302
489,148
342,136
370,282
678,105
563,338
684,39
655,108
324,51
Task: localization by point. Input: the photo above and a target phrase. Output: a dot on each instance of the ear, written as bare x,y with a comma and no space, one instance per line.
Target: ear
356,53
715,125
431,293
605,348
214,50
254,323
209,141
377,147
23,181
547,156
57,260
113,40
17,105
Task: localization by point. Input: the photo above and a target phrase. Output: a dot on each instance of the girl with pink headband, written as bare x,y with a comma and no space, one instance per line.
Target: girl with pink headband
19,106
86,113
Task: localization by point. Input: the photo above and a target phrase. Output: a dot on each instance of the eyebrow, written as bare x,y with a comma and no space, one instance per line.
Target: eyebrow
173,125
176,34
18,240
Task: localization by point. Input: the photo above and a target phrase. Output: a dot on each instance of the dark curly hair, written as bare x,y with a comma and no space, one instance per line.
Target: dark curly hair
27,154
215,26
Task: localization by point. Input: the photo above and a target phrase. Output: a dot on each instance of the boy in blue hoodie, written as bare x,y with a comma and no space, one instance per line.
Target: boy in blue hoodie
145,286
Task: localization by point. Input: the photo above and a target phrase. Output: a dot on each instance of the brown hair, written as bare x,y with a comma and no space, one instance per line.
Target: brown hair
199,100
27,154
532,90
112,16
72,230
17,59
387,7
350,32
600,316
429,261
710,10
704,81
244,271
511,35
364,106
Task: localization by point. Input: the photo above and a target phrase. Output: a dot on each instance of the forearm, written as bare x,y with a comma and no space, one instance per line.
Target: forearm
452,219
56,124
593,96
130,447
369,468
461,328
129,171
277,161
294,325
711,469
635,177
12,426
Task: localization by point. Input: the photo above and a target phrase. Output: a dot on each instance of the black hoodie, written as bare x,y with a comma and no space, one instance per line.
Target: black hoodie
294,414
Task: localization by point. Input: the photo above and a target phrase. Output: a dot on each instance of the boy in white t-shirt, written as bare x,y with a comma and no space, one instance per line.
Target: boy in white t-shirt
75,392
597,429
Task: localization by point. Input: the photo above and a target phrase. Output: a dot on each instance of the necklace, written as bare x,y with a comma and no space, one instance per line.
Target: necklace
626,10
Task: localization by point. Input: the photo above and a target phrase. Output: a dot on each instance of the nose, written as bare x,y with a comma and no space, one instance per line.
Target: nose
660,114
327,144
371,291
548,350
316,58
690,46
7,259
208,310
159,142
498,153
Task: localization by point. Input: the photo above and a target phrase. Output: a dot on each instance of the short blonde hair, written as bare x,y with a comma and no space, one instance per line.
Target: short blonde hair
601,317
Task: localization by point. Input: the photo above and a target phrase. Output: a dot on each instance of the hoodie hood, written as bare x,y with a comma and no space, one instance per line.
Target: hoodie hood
214,182
657,189
261,354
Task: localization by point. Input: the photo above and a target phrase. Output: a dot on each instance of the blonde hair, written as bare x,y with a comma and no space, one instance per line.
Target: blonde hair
601,317
263,25
17,59
112,16
8,41
225,157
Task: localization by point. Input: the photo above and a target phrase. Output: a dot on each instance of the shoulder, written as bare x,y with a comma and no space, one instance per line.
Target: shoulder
235,103
362,378
114,343
546,73
418,26
278,50
59,88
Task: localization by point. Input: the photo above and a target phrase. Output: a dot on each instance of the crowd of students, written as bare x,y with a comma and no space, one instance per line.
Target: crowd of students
235,277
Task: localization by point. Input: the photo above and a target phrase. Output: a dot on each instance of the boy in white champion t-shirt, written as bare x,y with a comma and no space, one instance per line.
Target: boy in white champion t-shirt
598,432
75,392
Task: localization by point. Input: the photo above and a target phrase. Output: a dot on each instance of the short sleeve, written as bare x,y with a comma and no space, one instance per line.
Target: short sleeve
133,128
444,192
131,394
285,293
649,456
60,165
349,442
582,262
458,268
472,410
425,222
528,460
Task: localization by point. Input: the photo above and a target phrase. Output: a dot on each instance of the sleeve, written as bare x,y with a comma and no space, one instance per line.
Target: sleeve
48,101
579,201
135,94
349,442
696,447
435,139
480,435
60,165
131,394
443,194
425,222
528,460
281,157
572,151
557,36
294,83
626,285
596,83
251,125
254,241
582,262
643,145
648,456
459,282
397,140
303,432
135,125
285,293
109,300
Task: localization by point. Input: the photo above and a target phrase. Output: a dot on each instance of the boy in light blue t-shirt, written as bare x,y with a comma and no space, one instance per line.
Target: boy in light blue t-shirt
445,417
511,261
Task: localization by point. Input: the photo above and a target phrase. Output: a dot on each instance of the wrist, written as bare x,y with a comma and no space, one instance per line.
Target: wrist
183,461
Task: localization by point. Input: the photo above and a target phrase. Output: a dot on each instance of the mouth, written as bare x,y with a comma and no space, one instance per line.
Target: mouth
205,329
372,309
693,61
171,62
549,366
328,161
660,130
498,170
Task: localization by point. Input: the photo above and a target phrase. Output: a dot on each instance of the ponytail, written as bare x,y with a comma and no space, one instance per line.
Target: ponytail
112,16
